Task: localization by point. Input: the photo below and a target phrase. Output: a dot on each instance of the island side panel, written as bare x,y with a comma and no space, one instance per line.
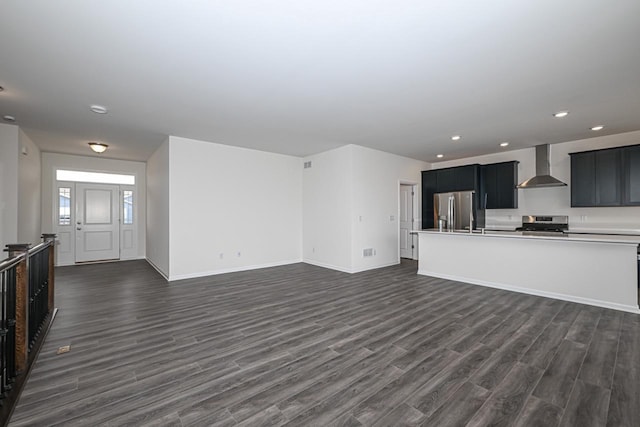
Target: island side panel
597,273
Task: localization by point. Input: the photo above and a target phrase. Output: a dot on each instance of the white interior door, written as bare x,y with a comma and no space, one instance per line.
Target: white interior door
406,221
97,222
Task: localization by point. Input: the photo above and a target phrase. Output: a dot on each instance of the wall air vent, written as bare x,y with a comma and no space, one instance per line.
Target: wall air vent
307,165
367,252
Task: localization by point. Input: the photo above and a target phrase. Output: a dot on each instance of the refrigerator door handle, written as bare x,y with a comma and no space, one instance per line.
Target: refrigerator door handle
448,213
452,213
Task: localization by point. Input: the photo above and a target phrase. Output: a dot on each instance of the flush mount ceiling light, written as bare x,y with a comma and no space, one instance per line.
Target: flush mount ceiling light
8,118
599,127
98,109
456,138
98,147
560,114
440,156
504,144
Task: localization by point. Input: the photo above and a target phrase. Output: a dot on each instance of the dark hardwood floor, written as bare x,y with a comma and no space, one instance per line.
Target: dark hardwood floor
302,345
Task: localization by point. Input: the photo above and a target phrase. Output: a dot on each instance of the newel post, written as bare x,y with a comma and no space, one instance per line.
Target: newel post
51,237
22,304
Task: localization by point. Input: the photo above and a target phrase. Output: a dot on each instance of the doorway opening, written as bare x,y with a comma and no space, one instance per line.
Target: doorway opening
408,214
95,220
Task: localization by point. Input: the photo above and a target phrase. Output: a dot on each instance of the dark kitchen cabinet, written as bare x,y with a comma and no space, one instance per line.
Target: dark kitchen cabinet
583,179
429,188
608,177
499,182
631,175
460,178
608,167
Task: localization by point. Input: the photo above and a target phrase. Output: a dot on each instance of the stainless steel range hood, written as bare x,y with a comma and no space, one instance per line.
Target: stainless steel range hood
543,176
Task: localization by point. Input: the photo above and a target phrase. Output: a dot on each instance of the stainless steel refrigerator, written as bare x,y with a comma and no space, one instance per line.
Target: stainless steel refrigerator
454,211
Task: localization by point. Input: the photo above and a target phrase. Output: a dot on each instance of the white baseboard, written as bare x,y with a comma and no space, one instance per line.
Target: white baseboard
329,266
98,262
360,270
348,270
155,267
529,291
231,270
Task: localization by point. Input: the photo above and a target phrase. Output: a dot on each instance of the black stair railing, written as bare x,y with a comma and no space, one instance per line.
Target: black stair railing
8,275
26,313
38,266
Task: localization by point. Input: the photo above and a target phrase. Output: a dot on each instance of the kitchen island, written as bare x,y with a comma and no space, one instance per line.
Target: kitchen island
600,270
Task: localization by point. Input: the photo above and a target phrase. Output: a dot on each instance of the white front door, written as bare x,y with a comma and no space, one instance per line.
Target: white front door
97,222
406,221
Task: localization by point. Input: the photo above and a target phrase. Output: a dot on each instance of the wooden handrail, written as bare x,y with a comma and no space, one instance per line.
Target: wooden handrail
22,316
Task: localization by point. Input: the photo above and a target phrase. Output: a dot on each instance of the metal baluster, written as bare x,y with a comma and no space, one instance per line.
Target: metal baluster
3,334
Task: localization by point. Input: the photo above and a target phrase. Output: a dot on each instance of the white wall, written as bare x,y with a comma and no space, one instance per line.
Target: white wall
52,161
158,209
376,205
327,209
557,200
350,196
8,186
226,201
29,191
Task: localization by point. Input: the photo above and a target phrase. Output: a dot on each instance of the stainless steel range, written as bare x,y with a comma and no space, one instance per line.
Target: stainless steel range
537,224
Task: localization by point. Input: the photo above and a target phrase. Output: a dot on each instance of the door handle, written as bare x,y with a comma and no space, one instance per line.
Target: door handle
78,228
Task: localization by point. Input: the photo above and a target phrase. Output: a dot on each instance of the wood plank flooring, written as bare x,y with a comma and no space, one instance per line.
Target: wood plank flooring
300,345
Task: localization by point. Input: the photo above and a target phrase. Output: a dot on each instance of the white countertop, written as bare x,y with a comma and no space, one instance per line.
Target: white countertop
574,237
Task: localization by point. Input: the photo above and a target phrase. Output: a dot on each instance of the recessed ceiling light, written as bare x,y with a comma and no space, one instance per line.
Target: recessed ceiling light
456,137
98,109
440,156
561,114
599,127
9,118
504,144
98,147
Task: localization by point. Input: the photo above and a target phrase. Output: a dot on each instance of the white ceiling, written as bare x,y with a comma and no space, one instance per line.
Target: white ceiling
304,76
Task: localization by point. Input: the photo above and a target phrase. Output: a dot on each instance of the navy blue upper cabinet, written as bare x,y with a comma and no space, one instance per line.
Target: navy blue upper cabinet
608,177
499,182
583,179
460,178
429,188
631,175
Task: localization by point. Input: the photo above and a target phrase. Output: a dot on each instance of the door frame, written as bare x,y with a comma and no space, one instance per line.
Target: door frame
65,244
416,216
